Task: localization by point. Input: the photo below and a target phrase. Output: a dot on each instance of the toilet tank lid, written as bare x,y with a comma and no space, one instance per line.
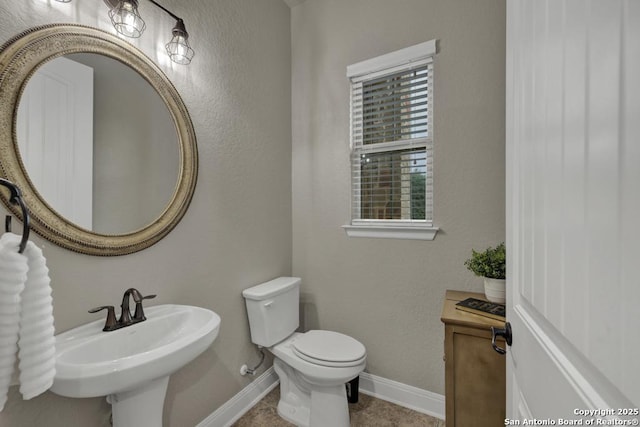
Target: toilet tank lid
271,288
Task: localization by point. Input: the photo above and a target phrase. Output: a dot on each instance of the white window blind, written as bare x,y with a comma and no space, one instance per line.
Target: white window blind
392,138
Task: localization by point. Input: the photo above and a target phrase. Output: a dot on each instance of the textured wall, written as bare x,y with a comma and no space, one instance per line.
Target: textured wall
238,93
389,293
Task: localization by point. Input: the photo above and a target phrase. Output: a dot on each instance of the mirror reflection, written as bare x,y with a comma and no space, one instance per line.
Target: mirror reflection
98,143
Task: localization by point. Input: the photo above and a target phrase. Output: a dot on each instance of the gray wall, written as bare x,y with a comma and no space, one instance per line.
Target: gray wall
389,293
237,231
240,229
135,149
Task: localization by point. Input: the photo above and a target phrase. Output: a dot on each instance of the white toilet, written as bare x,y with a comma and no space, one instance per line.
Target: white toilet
313,367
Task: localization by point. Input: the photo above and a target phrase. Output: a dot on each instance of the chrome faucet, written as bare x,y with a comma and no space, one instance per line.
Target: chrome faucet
125,315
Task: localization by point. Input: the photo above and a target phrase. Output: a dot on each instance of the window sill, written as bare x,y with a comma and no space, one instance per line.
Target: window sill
392,232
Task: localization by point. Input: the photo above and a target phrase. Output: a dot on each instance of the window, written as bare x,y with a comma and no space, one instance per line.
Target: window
392,144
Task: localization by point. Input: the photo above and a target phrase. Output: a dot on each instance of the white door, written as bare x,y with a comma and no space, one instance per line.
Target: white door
573,211
54,128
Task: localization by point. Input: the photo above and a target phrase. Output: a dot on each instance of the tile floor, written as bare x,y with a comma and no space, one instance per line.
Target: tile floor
368,412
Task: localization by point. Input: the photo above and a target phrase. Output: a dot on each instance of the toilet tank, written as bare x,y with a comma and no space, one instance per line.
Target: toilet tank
273,308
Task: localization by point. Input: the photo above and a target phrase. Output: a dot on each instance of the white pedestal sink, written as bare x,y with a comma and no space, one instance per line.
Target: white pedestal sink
132,365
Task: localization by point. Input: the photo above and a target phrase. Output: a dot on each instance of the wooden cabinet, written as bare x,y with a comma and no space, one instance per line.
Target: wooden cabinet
474,372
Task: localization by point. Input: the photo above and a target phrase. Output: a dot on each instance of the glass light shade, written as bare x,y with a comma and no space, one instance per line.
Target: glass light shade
178,48
126,19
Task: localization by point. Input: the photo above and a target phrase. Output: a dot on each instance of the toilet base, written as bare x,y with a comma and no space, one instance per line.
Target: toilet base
294,414
307,405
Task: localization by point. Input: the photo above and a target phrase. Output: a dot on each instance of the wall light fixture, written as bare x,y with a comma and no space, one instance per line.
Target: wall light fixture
128,22
126,19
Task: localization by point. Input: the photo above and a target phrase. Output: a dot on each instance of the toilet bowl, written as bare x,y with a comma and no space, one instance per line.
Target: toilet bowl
313,367
312,391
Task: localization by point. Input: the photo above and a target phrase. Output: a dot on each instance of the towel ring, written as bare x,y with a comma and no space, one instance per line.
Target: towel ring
16,199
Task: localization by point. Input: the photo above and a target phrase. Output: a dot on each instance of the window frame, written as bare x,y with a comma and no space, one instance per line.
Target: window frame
412,57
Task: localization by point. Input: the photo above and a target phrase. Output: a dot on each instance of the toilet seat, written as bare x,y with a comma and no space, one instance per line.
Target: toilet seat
328,348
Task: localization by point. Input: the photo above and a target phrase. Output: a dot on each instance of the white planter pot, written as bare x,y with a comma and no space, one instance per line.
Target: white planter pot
494,290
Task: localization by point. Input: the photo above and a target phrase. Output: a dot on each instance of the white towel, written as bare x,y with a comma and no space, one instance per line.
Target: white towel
26,312
36,345
13,275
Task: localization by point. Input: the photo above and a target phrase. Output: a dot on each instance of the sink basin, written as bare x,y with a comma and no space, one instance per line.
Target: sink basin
130,361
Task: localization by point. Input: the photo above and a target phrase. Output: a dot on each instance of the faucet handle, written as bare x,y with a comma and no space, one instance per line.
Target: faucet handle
138,316
111,323
137,296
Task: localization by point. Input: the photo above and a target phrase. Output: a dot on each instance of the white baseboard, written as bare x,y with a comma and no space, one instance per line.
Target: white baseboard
401,394
404,395
239,404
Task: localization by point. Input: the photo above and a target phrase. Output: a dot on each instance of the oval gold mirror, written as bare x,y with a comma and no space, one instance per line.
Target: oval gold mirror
129,130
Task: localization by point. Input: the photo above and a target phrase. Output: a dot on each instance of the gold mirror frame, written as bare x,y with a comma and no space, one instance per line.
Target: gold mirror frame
19,59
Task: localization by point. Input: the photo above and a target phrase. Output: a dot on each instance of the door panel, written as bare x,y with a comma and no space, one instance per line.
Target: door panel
573,197
54,129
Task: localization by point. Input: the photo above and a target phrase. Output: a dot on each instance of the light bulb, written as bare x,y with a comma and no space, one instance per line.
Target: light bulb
126,20
178,48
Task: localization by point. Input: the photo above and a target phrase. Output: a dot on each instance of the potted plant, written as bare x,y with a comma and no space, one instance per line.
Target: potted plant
490,264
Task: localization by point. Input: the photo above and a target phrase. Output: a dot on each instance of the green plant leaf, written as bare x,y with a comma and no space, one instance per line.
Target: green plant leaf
490,263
